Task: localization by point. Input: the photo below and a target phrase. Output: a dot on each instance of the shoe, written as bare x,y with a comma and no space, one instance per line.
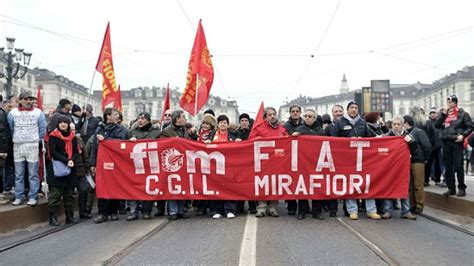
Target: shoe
274,214
173,217
132,217
217,216
8,192
409,216
318,216
71,220
443,184
332,214
159,213
301,215
291,212
259,214
418,210
386,216
253,211
449,193
100,219
354,216
4,201
230,215
114,217
17,202
146,216
373,216
53,221
427,184
85,216
461,193
32,202
183,215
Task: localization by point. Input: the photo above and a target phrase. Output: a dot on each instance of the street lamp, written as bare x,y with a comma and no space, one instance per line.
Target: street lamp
13,69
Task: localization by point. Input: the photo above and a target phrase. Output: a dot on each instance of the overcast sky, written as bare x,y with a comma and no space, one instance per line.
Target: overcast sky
261,49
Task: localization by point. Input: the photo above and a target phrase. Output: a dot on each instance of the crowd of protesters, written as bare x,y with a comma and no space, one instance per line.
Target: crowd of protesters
61,148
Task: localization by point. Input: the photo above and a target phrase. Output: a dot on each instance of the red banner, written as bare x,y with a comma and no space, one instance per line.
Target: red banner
304,167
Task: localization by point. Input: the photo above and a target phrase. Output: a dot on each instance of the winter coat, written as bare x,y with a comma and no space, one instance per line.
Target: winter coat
174,131
374,129
422,151
82,164
243,133
291,125
435,138
5,134
314,129
91,123
109,131
147,132
461,126
57,150
343,128
265,130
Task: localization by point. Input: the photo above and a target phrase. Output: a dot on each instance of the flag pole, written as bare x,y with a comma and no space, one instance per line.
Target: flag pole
90,88
196,100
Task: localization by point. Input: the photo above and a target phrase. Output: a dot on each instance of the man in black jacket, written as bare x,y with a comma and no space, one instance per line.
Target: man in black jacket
436,145
90,124
455,125
420,154
293,122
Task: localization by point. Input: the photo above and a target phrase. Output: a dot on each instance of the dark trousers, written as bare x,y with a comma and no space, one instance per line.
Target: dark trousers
434,162
292,205
241,204
225,206
317,206
54,200
453,155
108,207
82,189
148,206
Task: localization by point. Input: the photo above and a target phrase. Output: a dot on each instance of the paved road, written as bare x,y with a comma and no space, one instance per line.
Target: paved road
284,240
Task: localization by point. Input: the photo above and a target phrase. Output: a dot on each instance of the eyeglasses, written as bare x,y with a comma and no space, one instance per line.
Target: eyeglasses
309,116
167,115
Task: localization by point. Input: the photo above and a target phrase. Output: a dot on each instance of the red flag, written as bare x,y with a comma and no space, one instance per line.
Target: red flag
166,103
118,102
258,120
200,75
38,98
110,92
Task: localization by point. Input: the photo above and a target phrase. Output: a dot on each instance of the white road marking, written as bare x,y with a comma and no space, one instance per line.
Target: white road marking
248,249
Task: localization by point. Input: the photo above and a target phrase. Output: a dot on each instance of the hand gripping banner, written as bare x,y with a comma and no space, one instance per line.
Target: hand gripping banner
304,167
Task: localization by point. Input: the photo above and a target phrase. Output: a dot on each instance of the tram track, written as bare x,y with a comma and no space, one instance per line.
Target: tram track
446,223
32,238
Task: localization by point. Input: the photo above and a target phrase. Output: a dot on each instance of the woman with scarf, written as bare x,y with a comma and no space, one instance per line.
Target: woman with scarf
221,135
63,148
207,126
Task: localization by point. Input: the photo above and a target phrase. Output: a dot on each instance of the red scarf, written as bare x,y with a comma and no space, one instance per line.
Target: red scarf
452,116
67,140
204,135
21,108
221,137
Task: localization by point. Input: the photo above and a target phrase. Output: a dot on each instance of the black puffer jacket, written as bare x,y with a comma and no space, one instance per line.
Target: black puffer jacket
461,126
314,129
422,151
291,125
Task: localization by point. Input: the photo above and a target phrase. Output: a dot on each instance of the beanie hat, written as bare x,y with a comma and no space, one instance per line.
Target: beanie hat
146,115
244,115
209,111
209,119
352,103
75,108
433,110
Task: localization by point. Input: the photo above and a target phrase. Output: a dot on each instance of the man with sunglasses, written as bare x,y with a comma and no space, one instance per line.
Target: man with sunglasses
455,125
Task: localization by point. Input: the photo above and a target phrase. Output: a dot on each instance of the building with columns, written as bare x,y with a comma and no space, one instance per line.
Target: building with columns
403,96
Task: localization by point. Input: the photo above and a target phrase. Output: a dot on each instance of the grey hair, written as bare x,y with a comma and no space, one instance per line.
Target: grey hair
417,115
268,108
310,110
175,115
399,118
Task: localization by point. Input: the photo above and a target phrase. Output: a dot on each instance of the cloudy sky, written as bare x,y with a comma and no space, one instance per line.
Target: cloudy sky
262,50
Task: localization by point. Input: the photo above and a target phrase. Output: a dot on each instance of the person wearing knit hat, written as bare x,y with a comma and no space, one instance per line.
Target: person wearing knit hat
349,126
77,117
244,115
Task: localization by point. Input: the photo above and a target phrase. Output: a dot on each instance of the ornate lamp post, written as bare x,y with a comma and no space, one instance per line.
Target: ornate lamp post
14,69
